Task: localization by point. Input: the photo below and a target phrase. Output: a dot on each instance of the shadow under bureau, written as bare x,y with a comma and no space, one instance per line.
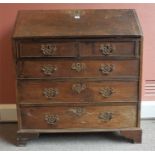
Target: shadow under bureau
78,71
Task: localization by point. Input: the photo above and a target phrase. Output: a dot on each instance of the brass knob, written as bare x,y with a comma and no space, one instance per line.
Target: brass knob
51,119
48,49
106,49
106,92
106,68
50,92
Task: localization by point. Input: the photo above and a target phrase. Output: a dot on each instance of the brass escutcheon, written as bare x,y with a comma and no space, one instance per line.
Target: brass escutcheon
77,111
105,116
78,87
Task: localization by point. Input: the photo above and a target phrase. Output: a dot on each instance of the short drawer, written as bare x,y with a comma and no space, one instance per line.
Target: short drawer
103,117
108,49
47,91
47,49
70,68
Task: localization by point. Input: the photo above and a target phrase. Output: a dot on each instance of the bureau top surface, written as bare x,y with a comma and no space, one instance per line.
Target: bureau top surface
76,23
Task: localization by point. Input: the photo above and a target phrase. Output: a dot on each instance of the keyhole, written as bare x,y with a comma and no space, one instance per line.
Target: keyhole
77,16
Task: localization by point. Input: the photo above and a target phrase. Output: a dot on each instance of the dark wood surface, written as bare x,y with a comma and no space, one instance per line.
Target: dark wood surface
73,117
124,48
33,91
74,48
135,135
62,49
80,74
51,69
92,23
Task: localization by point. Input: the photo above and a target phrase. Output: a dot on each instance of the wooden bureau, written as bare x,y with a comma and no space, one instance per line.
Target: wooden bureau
78,71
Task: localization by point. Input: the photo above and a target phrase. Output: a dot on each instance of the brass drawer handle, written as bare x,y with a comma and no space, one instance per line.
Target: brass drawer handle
50,92
48,69
48,49
78,88
106,68
106,92
106,49
78,67
51,119
105,116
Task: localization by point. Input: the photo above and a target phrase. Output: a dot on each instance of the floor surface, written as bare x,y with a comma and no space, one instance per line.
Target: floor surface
79,141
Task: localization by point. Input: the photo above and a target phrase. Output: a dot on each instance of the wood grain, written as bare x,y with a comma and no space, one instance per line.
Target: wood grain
31,91
78,74
34,49
61,23
64,69
122,117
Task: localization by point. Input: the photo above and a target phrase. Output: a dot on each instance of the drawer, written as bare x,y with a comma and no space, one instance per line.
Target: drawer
47,49
108,49
47,91
104,117
70,68
71,48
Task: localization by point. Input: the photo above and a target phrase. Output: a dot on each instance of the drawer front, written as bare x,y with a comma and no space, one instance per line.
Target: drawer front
69,68
108,49
72,48
36,91
78,117
48,49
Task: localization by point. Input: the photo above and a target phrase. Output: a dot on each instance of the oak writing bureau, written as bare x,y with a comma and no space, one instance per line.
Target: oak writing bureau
78,71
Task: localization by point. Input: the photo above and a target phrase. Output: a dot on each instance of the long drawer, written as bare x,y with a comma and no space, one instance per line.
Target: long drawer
104,117
49,91
81,68
72,48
